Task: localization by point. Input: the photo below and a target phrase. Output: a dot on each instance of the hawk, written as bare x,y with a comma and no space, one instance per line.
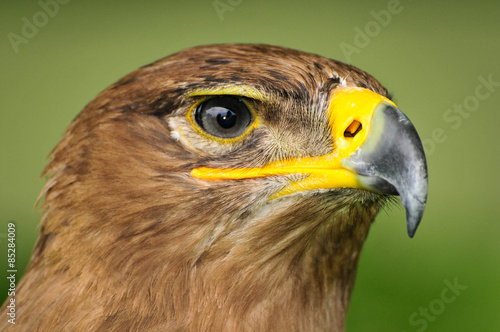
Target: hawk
222,188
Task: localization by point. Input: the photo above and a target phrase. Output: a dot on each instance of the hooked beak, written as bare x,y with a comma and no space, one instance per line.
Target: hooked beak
376,148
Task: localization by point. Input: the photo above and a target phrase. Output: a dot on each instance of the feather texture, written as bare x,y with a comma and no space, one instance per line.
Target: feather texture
130,241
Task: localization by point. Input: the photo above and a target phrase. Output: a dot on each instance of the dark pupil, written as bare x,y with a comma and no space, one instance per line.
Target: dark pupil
226,118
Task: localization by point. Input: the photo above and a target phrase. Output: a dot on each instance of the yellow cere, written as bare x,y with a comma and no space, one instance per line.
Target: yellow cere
347,105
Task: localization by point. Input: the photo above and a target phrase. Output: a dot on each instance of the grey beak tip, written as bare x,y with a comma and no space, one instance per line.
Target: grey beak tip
411,226
414,207
397,166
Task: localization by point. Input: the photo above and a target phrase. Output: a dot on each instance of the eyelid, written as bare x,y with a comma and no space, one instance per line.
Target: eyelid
202,98
231,90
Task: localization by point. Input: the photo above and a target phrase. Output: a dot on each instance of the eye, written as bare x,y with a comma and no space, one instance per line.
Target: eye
224,116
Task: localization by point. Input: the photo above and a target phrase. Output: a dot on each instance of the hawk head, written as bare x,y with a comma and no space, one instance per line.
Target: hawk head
225,187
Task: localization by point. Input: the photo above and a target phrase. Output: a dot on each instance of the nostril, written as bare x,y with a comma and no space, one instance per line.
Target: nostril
353,129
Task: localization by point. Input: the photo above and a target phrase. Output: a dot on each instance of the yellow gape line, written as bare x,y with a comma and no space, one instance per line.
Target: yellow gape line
350,114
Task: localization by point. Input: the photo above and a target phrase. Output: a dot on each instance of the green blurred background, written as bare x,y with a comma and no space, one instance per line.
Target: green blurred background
431,56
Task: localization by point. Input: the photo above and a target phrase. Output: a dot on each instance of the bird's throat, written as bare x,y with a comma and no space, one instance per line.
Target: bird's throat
301,282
